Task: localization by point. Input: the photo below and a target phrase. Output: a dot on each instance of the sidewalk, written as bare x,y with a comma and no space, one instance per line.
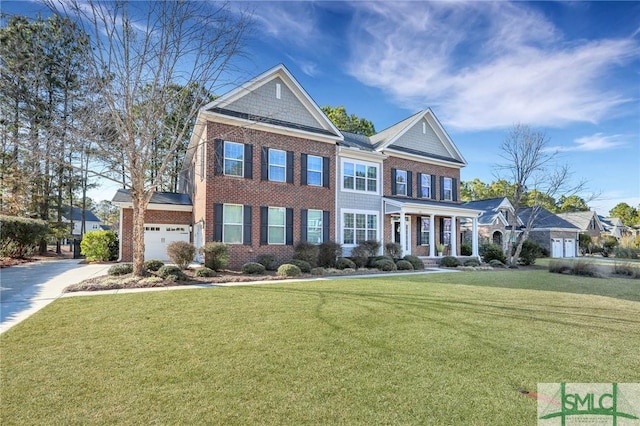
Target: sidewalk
25,289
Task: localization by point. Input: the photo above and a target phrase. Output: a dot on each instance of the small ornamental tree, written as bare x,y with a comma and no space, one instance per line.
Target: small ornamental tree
181,253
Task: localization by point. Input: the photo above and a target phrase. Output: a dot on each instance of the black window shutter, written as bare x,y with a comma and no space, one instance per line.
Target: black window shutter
419,234
246,239
454,189
433,187
303,224
303,171
289,227
419,187
441,188
217,222
219,163
326,222
264,225
326,174
248,161
441,230
264,164
409,184
289,166
393,181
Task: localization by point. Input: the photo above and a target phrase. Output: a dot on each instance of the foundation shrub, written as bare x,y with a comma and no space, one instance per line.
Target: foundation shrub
269,261
288,270
386,265
120,269
307,252
415,262
360,256
153,264
216,255
491,252
449,262
172,273
253,268
95,245
344,263
393,250
304,266
204,272
404,265
466,249
328,253
181,253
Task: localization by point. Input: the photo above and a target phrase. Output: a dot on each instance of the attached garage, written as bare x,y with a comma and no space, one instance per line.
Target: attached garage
556,247
569,247
168,218
158,236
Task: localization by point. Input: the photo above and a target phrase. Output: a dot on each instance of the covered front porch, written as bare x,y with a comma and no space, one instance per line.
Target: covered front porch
426,228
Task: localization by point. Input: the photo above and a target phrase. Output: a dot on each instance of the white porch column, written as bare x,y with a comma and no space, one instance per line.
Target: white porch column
432,236
403,237
454,237
474,237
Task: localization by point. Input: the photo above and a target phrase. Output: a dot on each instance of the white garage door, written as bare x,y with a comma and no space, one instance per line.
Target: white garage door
556,247
157,238
569,247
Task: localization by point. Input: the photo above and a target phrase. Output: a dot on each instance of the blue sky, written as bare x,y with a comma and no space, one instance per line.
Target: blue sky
571,69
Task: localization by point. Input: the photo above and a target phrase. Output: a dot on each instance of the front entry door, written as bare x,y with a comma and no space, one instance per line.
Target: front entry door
407,234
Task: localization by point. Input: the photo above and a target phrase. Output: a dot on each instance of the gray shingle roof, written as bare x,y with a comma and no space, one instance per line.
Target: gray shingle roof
76,215
124,196
545,219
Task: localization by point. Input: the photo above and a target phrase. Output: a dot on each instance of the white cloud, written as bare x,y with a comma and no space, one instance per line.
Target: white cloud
596,142
289,22
483,65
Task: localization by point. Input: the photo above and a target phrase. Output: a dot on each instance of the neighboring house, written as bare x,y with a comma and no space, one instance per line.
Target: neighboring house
587,222
266,169
613,226
74,216
552,232
497,223
168,218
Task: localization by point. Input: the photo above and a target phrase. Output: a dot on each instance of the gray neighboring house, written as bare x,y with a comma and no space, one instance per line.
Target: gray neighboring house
587,222
74,215
495,223
613,226
555,234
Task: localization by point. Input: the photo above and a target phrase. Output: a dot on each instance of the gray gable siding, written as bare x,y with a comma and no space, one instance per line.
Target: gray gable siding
263,102
416,140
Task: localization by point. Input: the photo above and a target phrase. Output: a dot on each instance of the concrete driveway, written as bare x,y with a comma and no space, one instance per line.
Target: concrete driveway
27,288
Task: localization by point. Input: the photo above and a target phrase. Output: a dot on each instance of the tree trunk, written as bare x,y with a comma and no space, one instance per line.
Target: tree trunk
138,234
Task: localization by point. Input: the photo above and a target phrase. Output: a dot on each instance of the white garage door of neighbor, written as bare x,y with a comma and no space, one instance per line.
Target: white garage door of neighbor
157,238
556,247
569,247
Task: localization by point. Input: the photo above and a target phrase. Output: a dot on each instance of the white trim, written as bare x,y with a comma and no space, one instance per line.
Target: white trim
234,224
360,155
378,167
284,226
157,206
224,158
354,212
422,159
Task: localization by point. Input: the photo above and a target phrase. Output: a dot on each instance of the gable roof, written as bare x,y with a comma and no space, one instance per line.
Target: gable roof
429,140
123,196
264,100
545,219
75,215
491,210
582,219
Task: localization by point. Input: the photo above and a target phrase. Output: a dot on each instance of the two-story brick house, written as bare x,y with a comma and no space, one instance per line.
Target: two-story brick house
266,169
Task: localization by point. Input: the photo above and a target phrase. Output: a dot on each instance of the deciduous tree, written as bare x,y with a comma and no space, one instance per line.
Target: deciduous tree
349,123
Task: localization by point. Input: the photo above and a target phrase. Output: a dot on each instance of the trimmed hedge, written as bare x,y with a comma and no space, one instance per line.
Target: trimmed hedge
415,262
120,269
304,266
253,268
386,265
153,264
404,265
169,271
344,263
96,245
449,262
288,270
181,253
205,272
216,255
268,261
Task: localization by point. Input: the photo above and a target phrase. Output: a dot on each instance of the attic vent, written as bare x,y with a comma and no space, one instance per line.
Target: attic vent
424,128
278,91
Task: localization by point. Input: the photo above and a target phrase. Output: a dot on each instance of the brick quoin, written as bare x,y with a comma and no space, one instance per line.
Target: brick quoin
256,192
162,217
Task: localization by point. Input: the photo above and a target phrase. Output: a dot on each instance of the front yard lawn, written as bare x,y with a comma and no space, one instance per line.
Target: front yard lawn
450,348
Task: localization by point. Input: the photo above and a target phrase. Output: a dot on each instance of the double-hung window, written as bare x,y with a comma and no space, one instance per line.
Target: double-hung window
276,230
401,182
314,226
277,165
446,231
314,170
359,227
448,189
359,177
425,185
232,223
233,159
425,228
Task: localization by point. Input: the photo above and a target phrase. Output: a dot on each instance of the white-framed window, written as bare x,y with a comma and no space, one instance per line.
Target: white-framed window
401,182
448,189
359,176
314,226
232,223
425,185
277,165
276,229
446,231
425,228
359,226
233,159
314,170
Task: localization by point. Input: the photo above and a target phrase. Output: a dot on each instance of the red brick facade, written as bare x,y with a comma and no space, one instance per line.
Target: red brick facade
256,192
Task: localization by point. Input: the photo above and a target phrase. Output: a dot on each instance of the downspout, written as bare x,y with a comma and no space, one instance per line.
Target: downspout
120,236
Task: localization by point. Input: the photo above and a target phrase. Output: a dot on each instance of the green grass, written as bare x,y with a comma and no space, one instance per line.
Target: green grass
421,349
